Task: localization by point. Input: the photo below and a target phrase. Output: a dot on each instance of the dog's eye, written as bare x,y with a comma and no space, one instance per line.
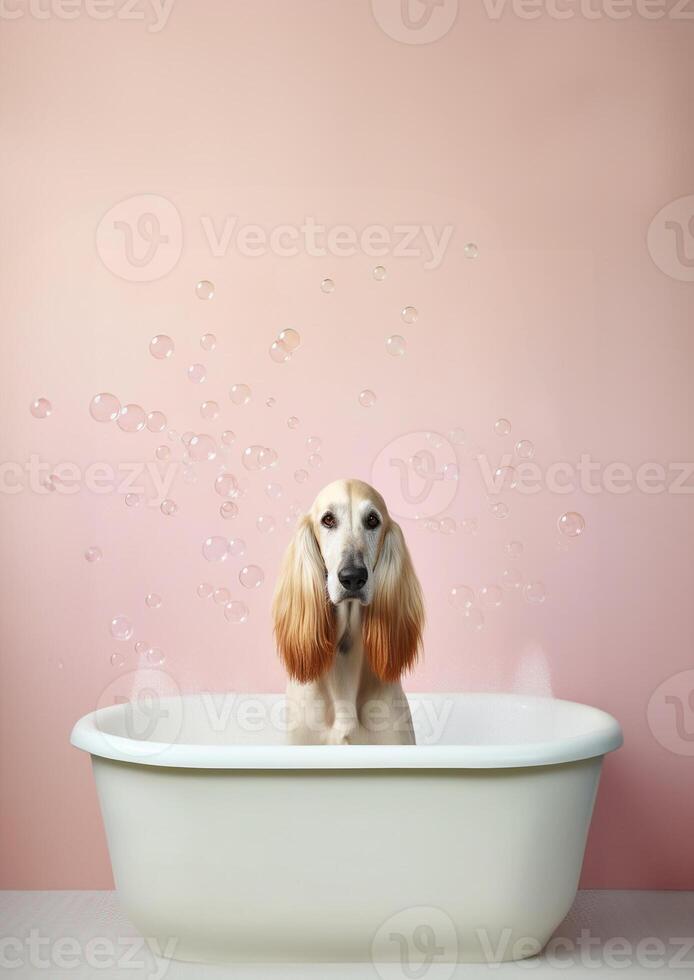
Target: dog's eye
372,520
328,520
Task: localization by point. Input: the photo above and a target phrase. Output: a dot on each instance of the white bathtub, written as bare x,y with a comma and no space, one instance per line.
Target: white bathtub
233,846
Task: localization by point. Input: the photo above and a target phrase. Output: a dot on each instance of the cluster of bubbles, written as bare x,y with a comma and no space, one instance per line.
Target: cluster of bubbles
284,345
235,611
315,460
489,597
122,629
217,548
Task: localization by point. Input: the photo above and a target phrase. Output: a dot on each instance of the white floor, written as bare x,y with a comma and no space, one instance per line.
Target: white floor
606,934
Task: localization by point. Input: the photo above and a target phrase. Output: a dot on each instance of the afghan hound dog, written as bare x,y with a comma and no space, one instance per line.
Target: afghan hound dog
348,616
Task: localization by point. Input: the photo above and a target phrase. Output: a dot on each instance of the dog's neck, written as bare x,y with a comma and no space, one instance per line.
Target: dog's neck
350,679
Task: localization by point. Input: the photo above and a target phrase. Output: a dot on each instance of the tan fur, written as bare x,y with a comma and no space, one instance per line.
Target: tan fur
393,622
303,615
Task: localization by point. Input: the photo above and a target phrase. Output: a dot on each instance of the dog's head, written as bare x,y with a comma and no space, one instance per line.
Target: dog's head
347,549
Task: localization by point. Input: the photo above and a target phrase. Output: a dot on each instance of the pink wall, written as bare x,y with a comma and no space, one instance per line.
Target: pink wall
551,144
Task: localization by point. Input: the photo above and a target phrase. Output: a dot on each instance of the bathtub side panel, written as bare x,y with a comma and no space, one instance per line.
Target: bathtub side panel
313,865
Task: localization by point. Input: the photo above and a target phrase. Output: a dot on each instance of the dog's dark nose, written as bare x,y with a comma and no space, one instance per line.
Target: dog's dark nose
353,577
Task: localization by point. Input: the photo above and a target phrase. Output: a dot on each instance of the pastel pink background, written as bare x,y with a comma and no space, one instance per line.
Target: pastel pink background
549,143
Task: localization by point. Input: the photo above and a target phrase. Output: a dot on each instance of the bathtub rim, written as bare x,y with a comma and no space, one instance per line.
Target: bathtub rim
604,737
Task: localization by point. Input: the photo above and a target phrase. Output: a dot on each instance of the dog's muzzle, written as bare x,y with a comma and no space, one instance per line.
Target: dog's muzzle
352,578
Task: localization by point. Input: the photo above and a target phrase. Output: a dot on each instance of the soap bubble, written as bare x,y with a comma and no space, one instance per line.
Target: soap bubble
196,373
215,548
469,525
470,250
162,452
473,618
502,427
279,352
168,507
327,286
94,553
265,524
104,407
525,449
447,525
187,437
367,398
313,444
208,341
202,448
209,410
221,596
409,314
270,402
173,436
153,600
301,476
155,657
292,422
161,346
514,549
457,436
511,578
431,525
204,590
228,510
274,491
50,483
290,338
534,592
315,460
506,478
204,289
132,499
266,458
240,394
141,647
156,421
226,485
500,510
40,408
236,612
451,471
571,524
228,437
132,418
117,660
237,547
251,457
121,628
379,273
461,596
396,345
490,596
251,576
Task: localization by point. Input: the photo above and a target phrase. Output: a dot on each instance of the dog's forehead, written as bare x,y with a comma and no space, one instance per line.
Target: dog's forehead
348,496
